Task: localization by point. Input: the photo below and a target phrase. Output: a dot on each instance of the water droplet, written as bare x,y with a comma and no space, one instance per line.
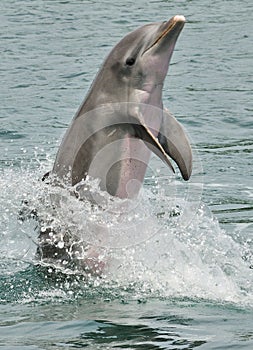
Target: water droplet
60,244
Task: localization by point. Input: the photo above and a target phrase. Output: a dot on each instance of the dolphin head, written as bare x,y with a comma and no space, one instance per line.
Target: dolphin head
140,61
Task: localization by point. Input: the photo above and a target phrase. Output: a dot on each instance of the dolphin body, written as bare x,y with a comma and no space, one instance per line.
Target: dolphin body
119,124
122,118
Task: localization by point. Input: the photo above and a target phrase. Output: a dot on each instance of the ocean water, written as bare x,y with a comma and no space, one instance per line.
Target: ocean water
181,275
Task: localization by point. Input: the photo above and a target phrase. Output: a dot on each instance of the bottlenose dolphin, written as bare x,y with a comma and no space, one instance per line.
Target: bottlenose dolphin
120,122
122,118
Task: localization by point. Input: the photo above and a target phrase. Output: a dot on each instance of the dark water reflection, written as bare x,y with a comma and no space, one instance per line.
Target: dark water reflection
137,337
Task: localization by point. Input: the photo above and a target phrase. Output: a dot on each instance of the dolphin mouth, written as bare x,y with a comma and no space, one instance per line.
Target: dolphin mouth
176,24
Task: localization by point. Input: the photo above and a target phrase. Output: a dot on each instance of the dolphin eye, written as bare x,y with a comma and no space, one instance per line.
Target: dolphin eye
130,61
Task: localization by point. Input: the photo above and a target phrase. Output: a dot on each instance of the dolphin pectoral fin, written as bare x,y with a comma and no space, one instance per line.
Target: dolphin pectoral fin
142,132
174,141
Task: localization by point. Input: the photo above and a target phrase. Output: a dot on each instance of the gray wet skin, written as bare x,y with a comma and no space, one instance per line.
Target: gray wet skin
122,118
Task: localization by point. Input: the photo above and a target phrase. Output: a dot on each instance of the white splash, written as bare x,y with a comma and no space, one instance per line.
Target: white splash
158,244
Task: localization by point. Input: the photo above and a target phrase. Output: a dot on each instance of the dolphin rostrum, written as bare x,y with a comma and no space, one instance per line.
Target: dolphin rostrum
122,118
